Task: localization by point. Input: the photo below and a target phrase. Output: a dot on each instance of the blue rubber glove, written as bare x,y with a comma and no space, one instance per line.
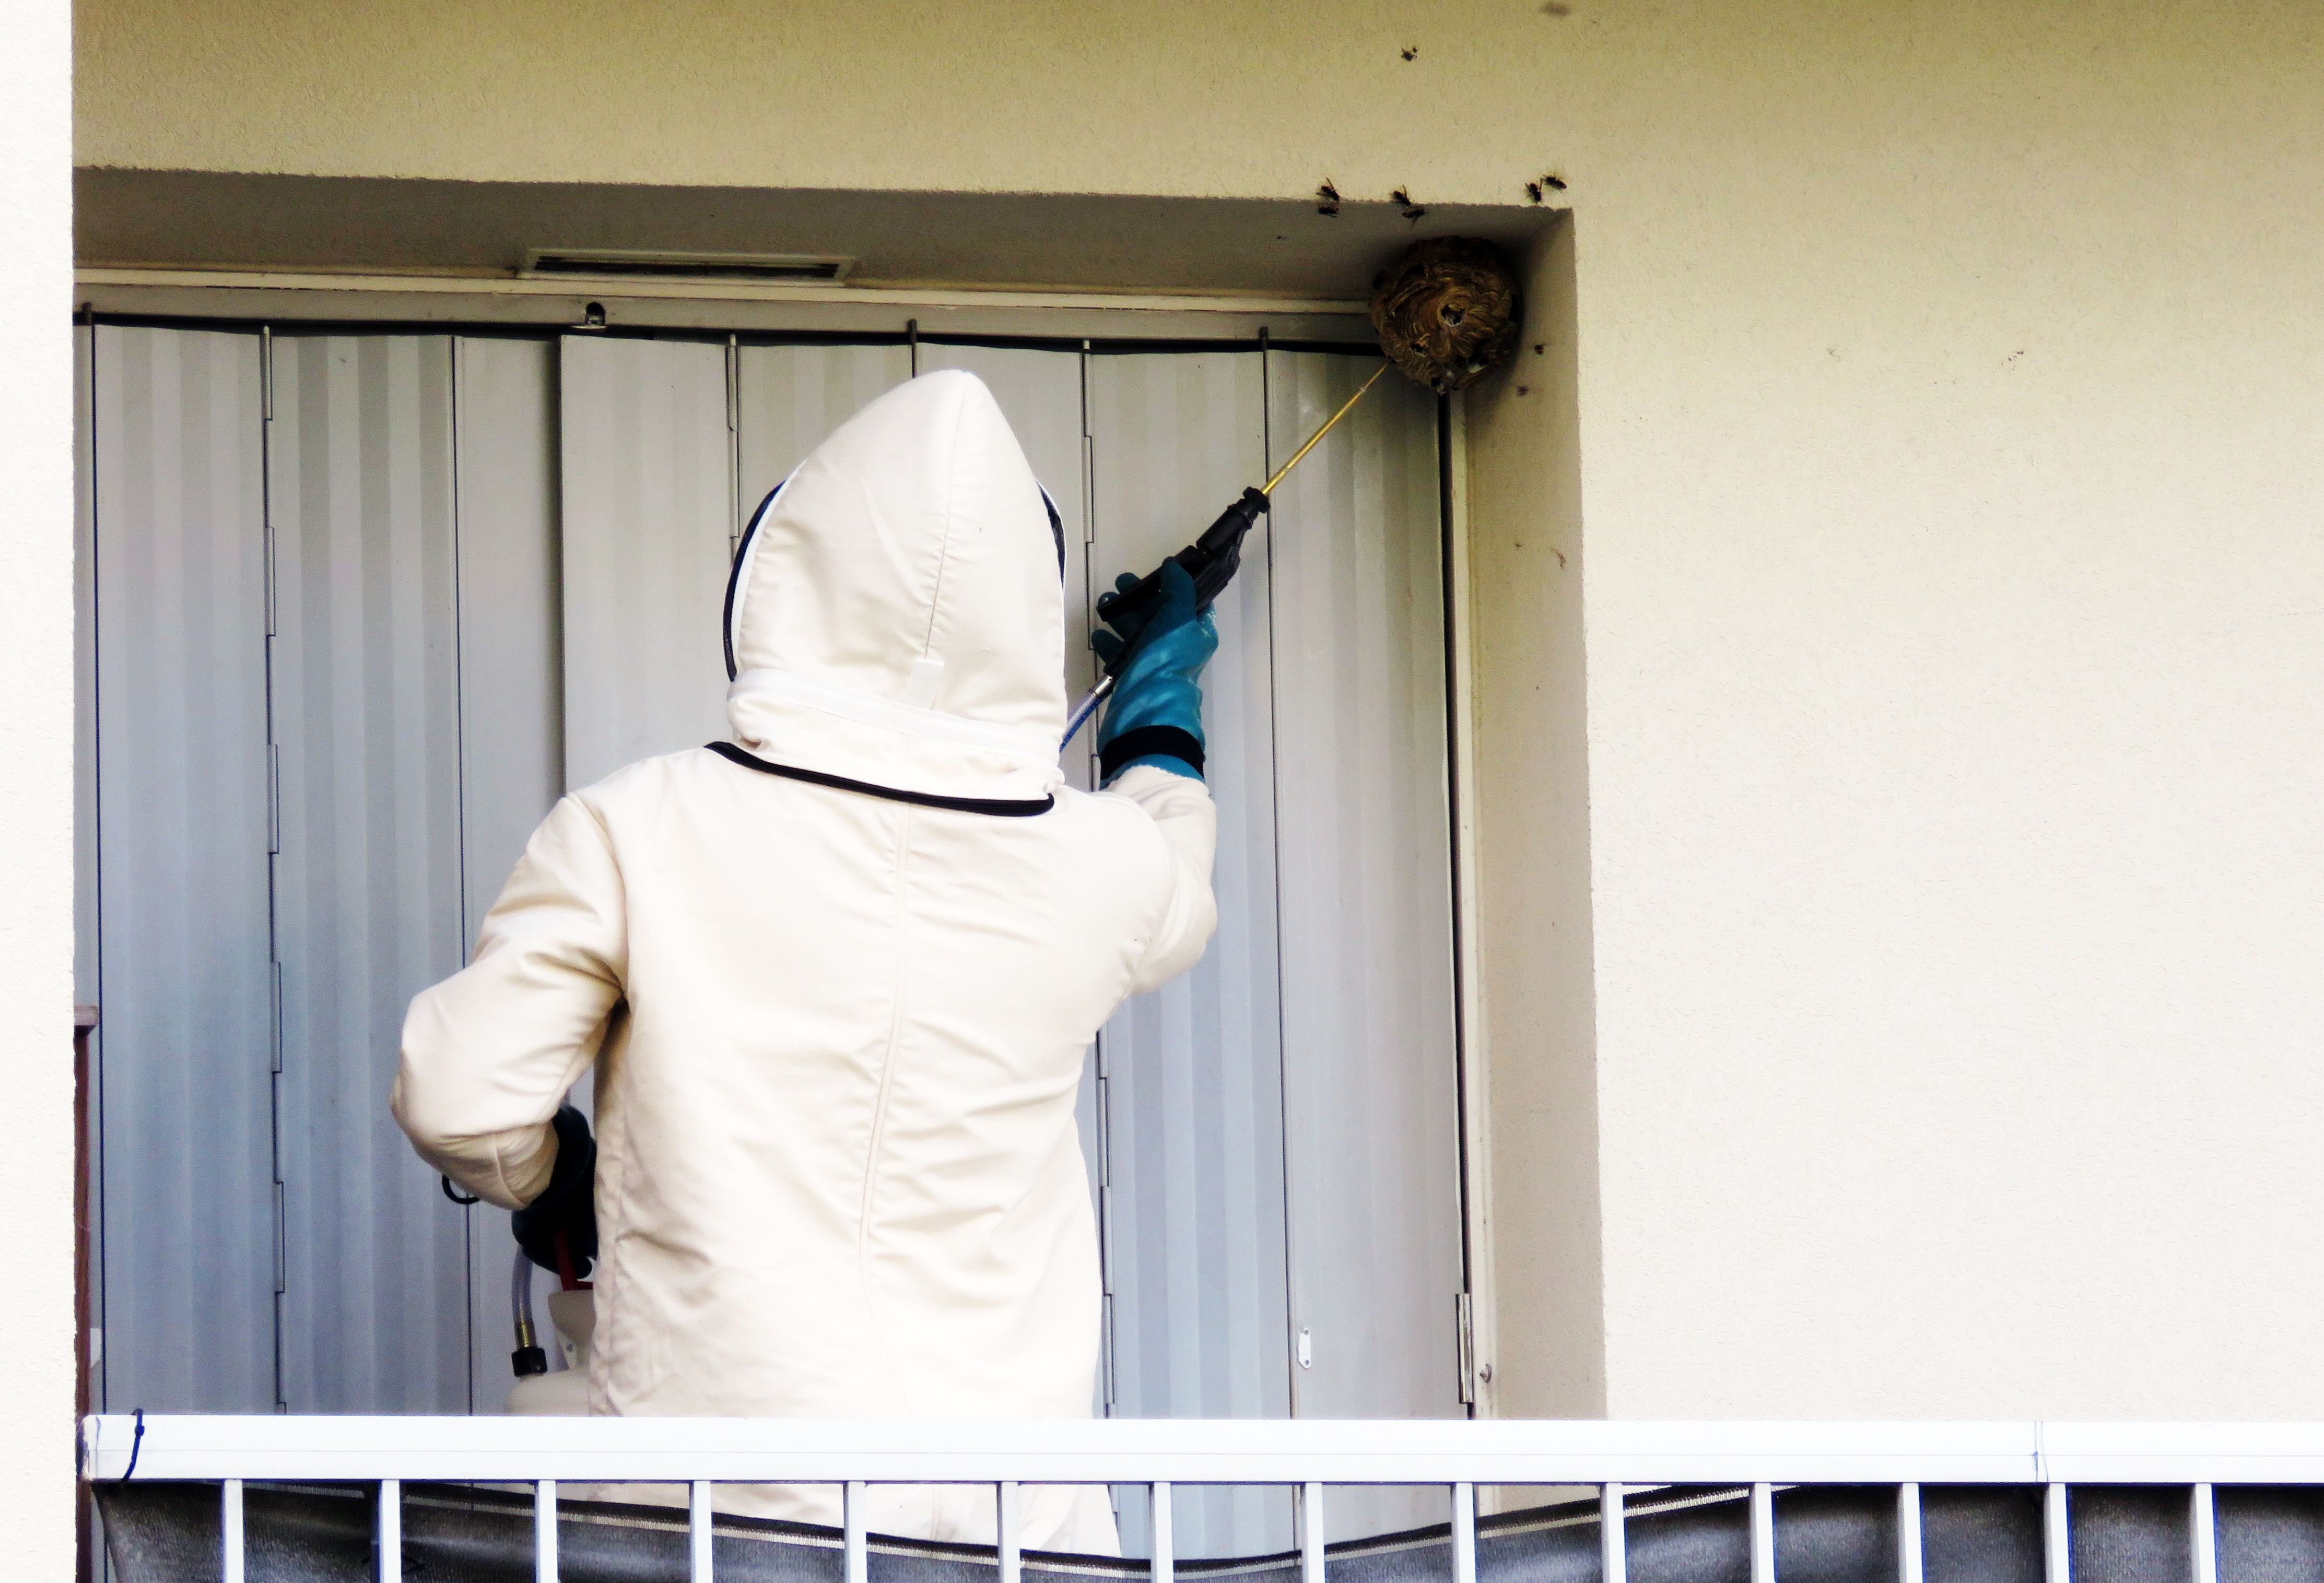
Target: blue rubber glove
1155,713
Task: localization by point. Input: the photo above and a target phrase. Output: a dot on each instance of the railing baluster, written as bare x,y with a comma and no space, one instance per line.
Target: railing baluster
1158,1512
697,1531
851,1505
544,1531
390,1530
1012,1554
1866,1458
1763,1533
1613,1542
2204,1534
2057,1542
1909,1568
1464,1534
1311,1533
230,1530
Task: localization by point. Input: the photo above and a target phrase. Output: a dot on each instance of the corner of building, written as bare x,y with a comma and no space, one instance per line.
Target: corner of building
1531,810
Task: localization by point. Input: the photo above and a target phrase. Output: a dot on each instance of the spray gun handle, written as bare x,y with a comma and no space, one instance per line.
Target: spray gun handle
1212,561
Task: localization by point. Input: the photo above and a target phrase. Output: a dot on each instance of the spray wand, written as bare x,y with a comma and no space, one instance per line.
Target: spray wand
1212,561
1448,313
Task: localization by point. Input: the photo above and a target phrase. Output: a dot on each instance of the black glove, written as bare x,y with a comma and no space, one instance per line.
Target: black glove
1129,623
567,1205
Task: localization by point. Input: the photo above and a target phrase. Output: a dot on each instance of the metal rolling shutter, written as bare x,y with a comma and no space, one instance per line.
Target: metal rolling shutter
500,566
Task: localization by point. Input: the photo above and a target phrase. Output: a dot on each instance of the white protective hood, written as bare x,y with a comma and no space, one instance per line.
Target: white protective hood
895,618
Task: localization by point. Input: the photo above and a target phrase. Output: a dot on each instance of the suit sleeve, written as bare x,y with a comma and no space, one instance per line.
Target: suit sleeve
1188,823
490,1052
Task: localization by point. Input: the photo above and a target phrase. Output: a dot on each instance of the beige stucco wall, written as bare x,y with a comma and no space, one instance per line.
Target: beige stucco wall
1936,976
36,792
1543,1169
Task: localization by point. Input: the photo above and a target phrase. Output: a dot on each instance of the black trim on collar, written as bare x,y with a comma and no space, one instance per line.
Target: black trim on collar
1056,526
999,807
734,577
1160,742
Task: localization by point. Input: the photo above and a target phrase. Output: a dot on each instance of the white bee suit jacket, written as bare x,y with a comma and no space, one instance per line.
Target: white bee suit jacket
838,1034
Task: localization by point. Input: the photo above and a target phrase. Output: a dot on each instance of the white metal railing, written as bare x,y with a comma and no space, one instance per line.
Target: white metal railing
1307,1455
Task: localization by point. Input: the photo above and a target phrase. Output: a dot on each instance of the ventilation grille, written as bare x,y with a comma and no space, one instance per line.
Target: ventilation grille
604,263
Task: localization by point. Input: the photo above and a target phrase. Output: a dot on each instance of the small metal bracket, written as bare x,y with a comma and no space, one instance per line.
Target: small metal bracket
1465,1324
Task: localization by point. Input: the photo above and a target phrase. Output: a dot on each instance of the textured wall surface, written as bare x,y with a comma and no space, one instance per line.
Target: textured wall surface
36,791
1530,801
1947,431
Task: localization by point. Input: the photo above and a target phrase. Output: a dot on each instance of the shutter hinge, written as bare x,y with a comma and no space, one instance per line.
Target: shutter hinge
1105,1135
1467,1343
1088,488
1105,1362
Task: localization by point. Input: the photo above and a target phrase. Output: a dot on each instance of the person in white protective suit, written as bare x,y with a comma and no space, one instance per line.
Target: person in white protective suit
838,977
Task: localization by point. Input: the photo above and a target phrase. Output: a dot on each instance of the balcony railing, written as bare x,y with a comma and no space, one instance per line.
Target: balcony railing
1309,1456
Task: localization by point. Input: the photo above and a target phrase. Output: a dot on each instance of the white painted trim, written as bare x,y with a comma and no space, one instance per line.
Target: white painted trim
1160,1508
1613,1537
852,1523
2057,1538
38,1372
544,1531
1464,1534
2174,1453
699,1535
1311,1531
1763,1533
1010,1532
567,288
232,1551
1202,1451
387,1541
1476,1090
2202,1537
1910,1559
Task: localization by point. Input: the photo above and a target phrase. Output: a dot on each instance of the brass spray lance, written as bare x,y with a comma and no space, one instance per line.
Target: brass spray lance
1448,313
1300,455
1211,560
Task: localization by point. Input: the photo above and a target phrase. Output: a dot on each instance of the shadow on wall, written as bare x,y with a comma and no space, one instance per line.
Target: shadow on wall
1062,241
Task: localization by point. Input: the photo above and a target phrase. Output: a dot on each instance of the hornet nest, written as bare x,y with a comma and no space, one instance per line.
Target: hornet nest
1447,312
